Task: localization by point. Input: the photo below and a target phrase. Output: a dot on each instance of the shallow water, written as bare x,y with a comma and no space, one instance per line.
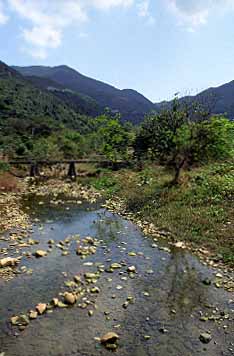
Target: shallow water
176,295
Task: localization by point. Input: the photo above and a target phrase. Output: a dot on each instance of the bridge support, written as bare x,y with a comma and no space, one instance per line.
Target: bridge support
72,170
34,170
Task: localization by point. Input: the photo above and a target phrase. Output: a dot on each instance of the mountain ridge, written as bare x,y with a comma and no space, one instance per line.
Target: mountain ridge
128,102
131,104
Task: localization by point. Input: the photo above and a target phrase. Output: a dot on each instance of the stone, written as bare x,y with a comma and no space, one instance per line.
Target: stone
109,338
95,290
90,312
205,338
33,314
115,266
40,253
206,281
70,298
132,269
21,320
55,302
77,279
41,308
8,262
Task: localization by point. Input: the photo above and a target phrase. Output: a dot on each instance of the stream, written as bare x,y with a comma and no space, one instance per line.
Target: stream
170,297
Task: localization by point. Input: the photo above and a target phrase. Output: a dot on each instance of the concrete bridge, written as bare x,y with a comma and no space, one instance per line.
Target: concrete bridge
34,165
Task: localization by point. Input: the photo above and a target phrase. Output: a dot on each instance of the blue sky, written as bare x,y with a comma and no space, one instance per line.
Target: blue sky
158,47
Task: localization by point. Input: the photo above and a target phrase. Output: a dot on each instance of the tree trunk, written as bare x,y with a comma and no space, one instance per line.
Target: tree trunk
178,169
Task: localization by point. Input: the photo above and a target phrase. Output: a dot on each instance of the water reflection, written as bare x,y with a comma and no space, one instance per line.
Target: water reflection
186,292
175,294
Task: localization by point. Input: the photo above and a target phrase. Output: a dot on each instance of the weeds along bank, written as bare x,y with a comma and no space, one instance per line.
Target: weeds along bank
199,211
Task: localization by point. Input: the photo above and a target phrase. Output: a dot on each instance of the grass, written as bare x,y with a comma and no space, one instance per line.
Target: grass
8,183
200,210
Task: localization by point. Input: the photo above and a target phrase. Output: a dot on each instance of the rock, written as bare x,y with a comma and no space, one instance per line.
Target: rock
62,305
77,279
41,308
65,253
14,320
9,262
70,298
90,312
109,338
115,266
55,302
21,320
163,330
33,314
89,240
132,269
125,304
112,347
205,338
91,276
146,294
206,281
40,253
95,290
132,254
180,244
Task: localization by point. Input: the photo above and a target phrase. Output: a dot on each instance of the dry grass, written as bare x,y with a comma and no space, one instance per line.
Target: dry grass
8,183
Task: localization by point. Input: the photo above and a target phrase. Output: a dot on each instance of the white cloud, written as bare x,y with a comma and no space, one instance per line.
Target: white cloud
3,16
47,19
195,13
143,10
107,4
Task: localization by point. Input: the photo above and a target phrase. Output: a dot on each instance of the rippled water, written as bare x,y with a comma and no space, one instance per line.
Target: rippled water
176,295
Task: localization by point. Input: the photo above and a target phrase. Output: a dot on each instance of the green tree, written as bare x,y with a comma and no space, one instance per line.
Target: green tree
173,138
111,138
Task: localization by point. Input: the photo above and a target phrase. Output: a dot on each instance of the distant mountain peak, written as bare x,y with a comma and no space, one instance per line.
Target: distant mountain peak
131,104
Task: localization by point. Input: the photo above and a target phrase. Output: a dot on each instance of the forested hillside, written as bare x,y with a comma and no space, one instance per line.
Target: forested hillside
27,111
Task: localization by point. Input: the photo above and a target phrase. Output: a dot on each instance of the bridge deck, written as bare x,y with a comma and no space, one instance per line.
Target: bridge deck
46,162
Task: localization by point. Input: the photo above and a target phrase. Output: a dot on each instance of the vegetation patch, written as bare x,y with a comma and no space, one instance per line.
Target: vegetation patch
199,211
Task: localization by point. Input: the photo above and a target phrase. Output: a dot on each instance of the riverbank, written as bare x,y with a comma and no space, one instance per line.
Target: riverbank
198,214
16,219
97,274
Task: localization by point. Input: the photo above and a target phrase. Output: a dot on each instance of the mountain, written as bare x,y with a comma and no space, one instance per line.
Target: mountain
131,104
217,100
8,72
78,102
24,107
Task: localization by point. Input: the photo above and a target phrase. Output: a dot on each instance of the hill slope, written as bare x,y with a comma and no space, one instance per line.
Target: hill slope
24,107
131,104
219,100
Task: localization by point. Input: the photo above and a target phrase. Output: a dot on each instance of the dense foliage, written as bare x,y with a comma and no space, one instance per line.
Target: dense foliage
175,139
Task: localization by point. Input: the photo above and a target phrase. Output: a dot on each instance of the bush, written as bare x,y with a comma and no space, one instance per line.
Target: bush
4,166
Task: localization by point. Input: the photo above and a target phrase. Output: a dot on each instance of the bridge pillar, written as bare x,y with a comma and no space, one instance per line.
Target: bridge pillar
34,170
72,170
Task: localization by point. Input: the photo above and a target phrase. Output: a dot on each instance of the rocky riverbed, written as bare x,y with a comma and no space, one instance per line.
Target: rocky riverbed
90,282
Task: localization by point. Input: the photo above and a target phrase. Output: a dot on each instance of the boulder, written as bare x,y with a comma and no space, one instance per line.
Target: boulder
9,262
109,338
70,298
41,308
205,338
40,253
